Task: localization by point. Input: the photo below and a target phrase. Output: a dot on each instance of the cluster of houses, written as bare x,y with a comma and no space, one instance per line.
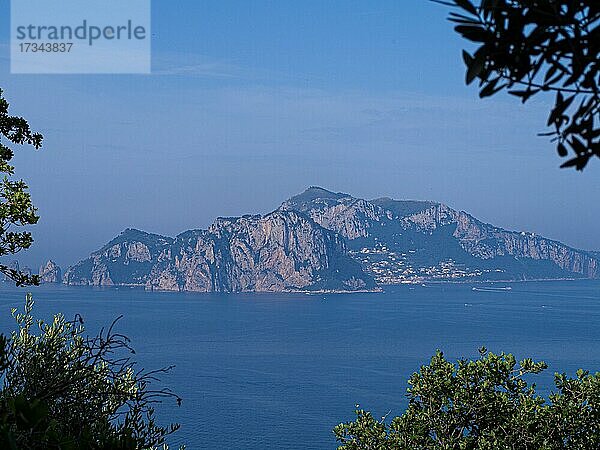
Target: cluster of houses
389,267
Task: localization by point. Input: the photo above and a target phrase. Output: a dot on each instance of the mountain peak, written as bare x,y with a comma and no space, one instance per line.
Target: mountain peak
135,235
133,232
318,188
312,194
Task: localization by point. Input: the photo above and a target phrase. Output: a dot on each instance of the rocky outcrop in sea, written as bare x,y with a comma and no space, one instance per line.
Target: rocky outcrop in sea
50,273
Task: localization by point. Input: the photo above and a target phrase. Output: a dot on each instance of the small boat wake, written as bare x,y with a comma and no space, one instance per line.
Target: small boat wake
493,289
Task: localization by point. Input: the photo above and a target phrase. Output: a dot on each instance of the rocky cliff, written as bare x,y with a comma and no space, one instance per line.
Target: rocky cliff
50,273
126,260
282,251
407,240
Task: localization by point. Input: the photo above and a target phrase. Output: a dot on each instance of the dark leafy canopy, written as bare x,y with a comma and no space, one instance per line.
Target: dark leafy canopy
16,208
484,404
533,46
64,391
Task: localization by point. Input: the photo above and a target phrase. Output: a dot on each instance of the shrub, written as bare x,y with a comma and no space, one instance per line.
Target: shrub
62,390
484,404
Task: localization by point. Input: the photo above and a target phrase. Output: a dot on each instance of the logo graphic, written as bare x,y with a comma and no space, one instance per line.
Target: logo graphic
80,36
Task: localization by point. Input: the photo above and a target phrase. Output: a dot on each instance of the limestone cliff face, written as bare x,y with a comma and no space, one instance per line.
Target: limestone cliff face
281,251
351,217
126,260
50,273
435,232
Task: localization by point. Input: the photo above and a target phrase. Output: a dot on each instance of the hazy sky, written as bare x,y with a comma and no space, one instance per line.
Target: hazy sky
251,102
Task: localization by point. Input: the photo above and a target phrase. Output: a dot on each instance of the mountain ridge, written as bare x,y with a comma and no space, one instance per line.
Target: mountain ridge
325,240
280,251
418,226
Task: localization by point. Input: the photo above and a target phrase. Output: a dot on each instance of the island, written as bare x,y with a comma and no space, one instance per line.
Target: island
325,241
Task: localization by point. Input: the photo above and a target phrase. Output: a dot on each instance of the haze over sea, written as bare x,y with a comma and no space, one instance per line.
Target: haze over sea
278,371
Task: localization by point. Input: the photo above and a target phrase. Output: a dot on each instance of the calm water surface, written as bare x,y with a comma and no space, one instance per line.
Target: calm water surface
278,371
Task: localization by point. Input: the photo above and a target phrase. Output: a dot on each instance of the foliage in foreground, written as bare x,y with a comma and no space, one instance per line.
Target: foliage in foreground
16,208
64,391
535,46
484,404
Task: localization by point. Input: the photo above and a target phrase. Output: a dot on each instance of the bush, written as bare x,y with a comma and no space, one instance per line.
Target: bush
484,404
62,390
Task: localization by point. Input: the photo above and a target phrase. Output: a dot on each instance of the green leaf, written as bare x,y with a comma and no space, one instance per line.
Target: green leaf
475,67
524,94
578,163
578,146
475,33
467,6
562,150
491,88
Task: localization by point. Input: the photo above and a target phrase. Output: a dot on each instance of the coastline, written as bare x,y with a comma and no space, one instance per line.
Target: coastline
379,289
500,281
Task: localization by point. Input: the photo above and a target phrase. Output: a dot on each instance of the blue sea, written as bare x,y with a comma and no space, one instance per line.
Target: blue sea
279,371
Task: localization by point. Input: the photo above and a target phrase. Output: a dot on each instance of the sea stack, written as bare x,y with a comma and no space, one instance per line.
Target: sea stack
50,273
